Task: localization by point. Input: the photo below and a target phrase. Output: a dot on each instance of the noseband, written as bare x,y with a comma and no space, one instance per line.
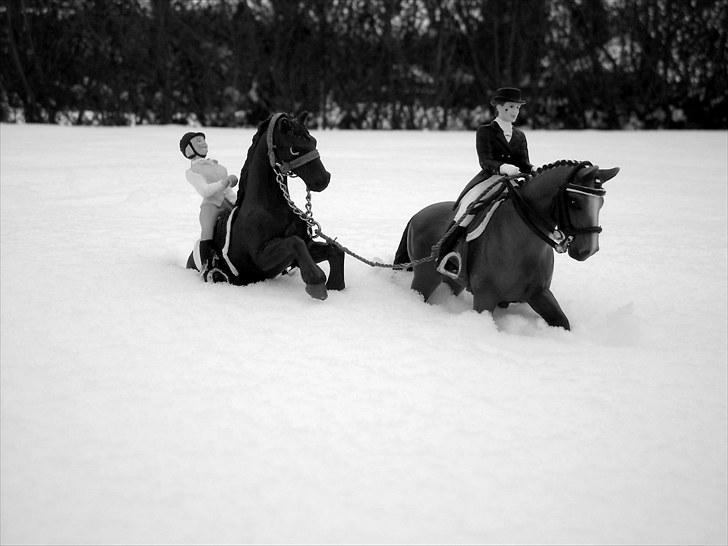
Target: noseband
563,218
560,234
285,167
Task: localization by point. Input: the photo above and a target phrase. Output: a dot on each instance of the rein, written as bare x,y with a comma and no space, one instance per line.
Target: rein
559,234
284,169
557,238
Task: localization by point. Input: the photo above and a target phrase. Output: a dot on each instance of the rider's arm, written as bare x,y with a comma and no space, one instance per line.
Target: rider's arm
524,163
200,184
231,195
483,145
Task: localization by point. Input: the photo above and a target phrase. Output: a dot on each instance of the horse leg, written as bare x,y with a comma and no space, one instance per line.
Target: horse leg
484,301
425,280
327,252
455,287
401,256
545,304
278,253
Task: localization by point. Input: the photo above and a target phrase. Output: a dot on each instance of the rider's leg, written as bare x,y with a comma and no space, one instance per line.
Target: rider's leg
208,254
450,259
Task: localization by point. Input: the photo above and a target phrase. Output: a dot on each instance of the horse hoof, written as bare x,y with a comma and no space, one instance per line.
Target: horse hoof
317,291
335,285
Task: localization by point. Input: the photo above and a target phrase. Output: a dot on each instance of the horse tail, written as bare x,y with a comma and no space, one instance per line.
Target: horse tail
402,255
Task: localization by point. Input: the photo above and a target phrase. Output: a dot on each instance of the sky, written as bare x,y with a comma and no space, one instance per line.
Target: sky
139,405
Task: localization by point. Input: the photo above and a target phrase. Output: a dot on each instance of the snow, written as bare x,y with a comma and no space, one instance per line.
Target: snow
142,406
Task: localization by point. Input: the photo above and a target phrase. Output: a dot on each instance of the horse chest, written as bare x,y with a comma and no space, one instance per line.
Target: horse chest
510,262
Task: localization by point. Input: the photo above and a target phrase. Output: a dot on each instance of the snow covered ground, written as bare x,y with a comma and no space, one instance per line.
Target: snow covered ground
141,406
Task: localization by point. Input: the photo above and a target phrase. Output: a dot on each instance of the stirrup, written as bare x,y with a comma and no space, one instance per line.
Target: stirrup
450,274
214,275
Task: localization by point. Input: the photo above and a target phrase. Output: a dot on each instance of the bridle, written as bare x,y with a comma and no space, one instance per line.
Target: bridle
559,231
286,168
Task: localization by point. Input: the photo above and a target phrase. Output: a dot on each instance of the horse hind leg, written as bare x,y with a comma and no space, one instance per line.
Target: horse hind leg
401,256
426,279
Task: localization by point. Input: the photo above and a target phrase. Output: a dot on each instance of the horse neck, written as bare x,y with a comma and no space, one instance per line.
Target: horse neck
262,184
541,190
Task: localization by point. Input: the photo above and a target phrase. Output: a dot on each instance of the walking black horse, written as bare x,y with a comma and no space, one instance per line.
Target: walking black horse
513,260
265,233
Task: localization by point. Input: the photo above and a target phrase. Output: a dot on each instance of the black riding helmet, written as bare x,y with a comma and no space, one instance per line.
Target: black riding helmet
186,140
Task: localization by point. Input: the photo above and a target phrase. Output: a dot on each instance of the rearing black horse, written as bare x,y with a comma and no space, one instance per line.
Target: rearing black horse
263,235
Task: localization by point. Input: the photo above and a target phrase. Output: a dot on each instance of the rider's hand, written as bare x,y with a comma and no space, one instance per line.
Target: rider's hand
509,170
232,181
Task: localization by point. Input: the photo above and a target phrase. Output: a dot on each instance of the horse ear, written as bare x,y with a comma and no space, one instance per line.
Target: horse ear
587,172
605,174
302,117
285,125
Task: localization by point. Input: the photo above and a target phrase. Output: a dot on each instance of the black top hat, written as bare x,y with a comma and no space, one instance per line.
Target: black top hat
507,94
185,140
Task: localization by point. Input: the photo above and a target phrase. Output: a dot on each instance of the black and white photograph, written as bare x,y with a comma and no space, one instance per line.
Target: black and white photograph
384,272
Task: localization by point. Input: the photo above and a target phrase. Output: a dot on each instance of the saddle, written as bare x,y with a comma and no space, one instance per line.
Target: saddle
470,223
481,210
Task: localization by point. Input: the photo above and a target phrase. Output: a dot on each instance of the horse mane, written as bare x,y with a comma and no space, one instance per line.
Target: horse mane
262,127
561,163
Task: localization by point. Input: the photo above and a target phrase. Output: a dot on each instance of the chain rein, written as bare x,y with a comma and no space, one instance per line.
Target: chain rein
314,228
282,171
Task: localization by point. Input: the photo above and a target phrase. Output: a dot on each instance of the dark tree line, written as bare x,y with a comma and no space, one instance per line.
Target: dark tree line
365,63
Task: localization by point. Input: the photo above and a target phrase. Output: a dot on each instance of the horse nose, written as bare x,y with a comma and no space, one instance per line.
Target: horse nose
581,254
320,182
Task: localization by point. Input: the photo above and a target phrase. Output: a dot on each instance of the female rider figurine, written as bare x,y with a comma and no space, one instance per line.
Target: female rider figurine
212,182
502,150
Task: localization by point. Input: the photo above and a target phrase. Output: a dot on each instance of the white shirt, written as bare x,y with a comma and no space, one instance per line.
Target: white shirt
506,127
209,178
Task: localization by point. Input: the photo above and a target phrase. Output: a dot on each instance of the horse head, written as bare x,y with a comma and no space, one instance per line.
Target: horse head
570,195
577,206
292,151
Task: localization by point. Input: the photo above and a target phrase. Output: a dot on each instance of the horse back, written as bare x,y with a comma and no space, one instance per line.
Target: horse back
427,227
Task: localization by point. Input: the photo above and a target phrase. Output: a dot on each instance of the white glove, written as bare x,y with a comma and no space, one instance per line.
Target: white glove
509,170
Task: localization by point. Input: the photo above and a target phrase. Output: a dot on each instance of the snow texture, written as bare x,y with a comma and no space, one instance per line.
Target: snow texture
142,406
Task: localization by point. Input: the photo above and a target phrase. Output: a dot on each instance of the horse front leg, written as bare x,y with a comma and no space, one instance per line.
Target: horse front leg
335,256
545,304
276,254
484,300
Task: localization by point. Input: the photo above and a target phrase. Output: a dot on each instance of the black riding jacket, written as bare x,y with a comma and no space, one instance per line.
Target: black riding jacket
494,150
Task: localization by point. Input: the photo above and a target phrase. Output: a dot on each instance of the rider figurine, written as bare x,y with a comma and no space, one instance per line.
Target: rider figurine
502,151
212,182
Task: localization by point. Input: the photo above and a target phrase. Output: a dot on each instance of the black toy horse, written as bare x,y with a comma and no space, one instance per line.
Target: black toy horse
513,261
263,235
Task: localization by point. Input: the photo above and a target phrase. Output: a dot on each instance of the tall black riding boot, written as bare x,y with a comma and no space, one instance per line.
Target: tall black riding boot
210,272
